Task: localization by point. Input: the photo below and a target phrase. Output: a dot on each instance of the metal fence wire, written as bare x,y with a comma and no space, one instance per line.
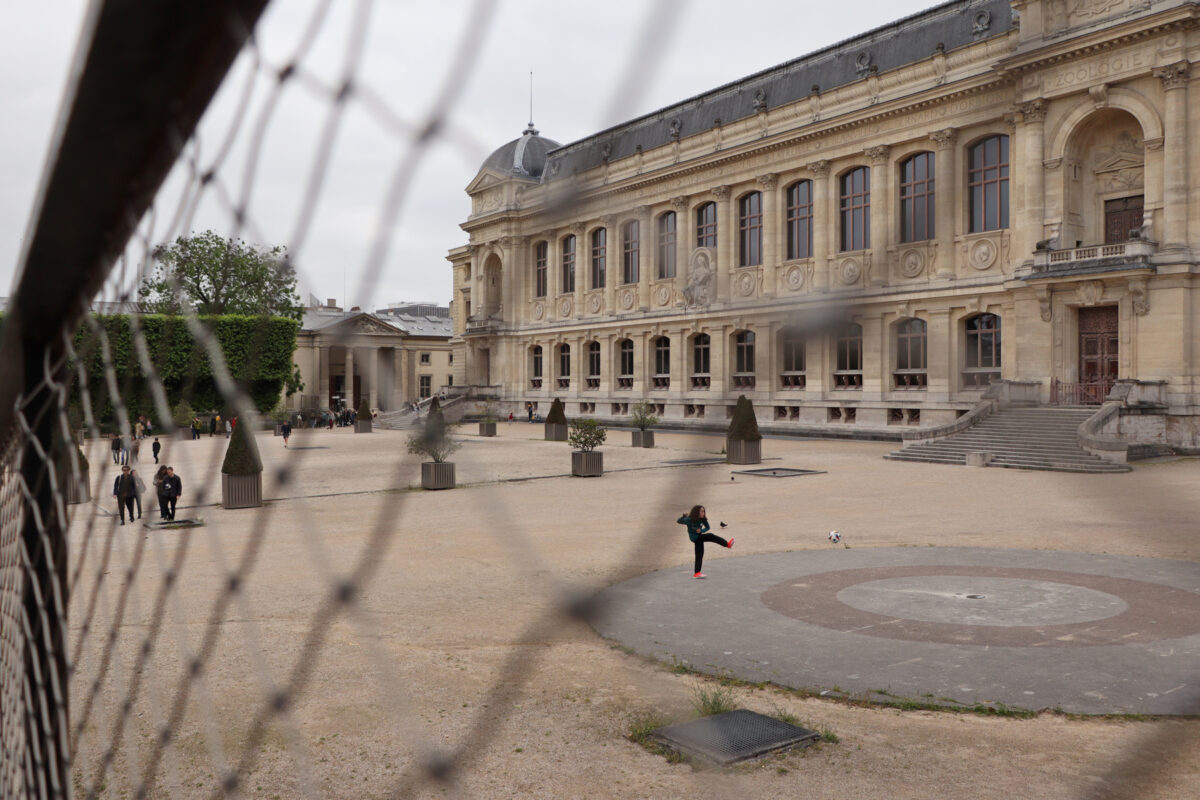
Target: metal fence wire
145,75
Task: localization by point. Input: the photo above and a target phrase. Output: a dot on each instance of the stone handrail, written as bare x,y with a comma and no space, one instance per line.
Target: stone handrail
981,411
1093,440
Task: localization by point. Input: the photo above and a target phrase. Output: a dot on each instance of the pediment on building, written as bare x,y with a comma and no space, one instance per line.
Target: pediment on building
1119,162
486,179
367,323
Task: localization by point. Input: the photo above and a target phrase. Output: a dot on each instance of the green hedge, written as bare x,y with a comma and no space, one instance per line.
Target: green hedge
257,350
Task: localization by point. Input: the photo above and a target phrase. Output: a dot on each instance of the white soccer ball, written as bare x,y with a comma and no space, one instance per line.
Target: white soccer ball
835,537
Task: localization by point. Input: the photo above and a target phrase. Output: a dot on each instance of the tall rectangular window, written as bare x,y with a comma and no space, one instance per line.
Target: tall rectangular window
666,245
599,257
799,220
791,374
848,359
987,180
856,209
630,255
700,362
706,225
916,198
541,257
568,264
750,230
425,384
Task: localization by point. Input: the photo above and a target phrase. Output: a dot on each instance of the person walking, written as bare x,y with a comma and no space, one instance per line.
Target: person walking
134,450
156,448
116,448
160,491
172,487
124,491
139,488
286,430
228,428
696,521
212,425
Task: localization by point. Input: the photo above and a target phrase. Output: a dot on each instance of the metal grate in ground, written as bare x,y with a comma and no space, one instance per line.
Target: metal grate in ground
684,461
779,472
733,736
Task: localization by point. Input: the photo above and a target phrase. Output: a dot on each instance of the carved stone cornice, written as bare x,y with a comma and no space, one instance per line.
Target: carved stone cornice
820,169
720,192
768,181
945,139
879,154
1174,76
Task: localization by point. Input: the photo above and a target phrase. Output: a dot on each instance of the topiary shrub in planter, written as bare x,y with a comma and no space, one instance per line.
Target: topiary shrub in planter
72,478
586,435
487,424
362,423
556,422
241,471
643,418
743,442
434,441
181,417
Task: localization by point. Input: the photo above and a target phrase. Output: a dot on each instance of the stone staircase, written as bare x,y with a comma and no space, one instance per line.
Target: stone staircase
1018,438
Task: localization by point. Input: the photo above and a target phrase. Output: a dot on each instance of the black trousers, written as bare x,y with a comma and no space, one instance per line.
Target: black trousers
171,501
700,540
164,506
124,503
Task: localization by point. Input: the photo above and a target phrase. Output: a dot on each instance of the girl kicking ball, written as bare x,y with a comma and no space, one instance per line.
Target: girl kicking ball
696,521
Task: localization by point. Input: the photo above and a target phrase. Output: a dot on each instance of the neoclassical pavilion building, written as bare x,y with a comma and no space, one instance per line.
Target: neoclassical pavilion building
991,190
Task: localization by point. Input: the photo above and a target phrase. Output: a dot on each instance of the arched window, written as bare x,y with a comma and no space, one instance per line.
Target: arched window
911,358
743,360
535,367
987,179
666,245
599,257
625,367
701,377
564,366
983,351
799,220
706,225
662,363
848,374
916,198
541,257
568,264
750,230
792,352
631,252
856,209
593,370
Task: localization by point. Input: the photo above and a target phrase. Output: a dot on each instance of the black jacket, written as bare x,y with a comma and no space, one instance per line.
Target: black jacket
171,486
124,485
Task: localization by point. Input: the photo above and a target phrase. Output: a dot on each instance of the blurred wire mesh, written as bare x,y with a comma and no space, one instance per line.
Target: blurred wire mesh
139,678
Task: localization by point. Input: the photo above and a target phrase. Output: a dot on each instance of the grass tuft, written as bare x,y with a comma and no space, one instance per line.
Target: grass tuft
709,702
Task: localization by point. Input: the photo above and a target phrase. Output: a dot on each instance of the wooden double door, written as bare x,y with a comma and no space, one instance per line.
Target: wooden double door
1099,349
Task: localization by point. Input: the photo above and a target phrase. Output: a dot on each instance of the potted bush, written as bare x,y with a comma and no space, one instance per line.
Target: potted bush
434,441
743,442
586,435
181,418
487,424
362,422
73,484
241,471
643,418
556,422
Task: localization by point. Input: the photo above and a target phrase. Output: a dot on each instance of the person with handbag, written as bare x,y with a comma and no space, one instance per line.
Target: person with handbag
125,492
696,521
172,488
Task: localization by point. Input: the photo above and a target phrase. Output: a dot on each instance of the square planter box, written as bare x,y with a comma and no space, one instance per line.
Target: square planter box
743,452
587,465
487,429
643,438
437,476
241,491
556,431
362,426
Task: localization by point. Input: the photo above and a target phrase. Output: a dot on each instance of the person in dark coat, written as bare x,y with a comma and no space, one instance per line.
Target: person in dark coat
696,521
116,448
156,448
286,431
125,492
172,487
158,491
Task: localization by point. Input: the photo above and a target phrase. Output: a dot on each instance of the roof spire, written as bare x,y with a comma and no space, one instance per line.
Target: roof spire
531,130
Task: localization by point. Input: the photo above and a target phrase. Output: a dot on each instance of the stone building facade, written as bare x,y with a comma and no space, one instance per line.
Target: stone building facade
869,236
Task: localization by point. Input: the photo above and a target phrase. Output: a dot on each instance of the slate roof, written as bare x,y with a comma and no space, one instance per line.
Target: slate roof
914,38
410,324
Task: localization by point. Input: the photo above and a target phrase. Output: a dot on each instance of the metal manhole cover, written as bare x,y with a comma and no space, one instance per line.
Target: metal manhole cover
779,472
733,736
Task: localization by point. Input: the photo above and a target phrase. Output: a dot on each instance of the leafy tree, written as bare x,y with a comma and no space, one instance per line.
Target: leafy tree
216,275
643,415
586,434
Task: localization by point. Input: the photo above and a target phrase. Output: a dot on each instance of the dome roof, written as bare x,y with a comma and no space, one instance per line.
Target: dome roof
524,157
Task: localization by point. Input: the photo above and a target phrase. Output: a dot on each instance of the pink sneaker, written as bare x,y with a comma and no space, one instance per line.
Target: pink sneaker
699,575
730,545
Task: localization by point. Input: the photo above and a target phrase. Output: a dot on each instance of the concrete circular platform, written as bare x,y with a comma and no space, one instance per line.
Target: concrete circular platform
1087,633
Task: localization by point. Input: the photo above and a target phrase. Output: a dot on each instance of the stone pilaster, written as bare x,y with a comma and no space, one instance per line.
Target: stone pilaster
946,187
647,246
772,232
824,215
726,241
1175,153
881,212
1032,146
683,242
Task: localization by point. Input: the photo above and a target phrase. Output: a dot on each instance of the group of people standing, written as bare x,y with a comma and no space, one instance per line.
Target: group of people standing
129,487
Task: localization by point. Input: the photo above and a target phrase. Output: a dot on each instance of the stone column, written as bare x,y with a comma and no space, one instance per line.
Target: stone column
643,359
1175,149
399,392
946,189
719,357
322,373
1032,116
348,392
583,264
647,247
373,377
771,232
940,359
824,215
553,274
726,243
881,213
683,241
612,262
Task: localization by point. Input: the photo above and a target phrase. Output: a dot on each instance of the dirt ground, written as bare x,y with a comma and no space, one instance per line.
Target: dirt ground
372,631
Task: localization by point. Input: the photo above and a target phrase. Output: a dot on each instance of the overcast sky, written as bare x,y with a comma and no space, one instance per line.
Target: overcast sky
580,54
